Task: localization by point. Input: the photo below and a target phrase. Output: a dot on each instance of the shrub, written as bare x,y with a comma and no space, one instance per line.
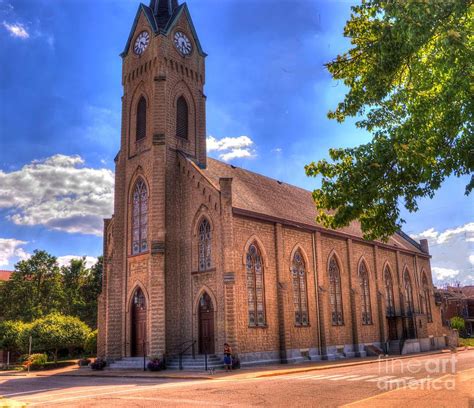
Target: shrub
457,323
156,364
36,361
235,362
98,364
90,345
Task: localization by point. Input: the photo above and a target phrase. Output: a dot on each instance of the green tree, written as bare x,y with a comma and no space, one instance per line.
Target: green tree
90,345
409,79
11,333
34,290
82,287
56,331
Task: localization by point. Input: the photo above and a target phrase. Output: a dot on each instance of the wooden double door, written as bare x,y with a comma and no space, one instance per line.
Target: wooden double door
206,325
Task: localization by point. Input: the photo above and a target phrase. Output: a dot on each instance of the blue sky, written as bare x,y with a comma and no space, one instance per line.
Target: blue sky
60,115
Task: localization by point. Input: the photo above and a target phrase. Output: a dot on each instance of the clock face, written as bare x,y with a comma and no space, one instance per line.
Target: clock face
141,43
182,43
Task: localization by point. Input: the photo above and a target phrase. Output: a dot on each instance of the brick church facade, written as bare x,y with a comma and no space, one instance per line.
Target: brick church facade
201,251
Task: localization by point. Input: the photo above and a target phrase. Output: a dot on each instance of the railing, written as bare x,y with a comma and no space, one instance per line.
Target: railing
193,342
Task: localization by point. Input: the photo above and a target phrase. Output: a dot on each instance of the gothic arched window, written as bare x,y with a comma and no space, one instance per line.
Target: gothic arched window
255,287
389,292
182,118
141,119
426,295
408,295
365,292
140,218
204,245
300,295
335,296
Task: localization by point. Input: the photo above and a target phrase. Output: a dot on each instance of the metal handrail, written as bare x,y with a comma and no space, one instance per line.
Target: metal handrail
184,351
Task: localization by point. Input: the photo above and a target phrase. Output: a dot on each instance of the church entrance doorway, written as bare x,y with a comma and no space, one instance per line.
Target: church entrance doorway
206,325
138,326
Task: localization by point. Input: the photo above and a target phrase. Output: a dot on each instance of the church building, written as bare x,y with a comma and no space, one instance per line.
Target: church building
199,253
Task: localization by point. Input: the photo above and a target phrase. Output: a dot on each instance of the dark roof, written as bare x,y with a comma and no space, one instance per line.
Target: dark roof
258,194
162,15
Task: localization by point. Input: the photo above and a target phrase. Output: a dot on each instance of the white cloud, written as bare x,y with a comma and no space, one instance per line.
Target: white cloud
66,260
11,248
58,193
452,253
17,30
277,150
229,148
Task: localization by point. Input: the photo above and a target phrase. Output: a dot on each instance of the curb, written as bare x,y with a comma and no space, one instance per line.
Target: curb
238,376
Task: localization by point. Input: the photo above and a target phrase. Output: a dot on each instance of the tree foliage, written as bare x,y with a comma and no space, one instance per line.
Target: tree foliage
40,287
457,323
11,334
409,78
57,331
34,290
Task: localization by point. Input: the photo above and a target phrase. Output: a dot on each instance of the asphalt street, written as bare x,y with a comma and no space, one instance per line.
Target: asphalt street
443,380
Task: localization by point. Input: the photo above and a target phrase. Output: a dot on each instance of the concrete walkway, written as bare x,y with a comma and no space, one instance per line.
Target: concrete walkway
244,373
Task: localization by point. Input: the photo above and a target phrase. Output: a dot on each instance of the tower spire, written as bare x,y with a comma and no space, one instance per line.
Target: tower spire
163,10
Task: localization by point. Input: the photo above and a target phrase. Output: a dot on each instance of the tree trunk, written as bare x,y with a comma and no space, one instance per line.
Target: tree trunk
55,356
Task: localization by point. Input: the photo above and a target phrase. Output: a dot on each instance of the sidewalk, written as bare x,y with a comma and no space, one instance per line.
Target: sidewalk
244,373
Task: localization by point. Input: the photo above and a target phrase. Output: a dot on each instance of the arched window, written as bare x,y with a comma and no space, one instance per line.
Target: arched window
255,287
182,118
140,218
335,296
389,292
204,245
141,119
365,292
408,295
300,296
426,295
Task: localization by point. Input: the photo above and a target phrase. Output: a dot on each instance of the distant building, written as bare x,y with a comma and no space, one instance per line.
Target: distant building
457,301
5,275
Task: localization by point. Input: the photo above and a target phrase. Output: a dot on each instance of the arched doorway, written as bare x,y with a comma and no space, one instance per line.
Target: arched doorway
206,325
138,326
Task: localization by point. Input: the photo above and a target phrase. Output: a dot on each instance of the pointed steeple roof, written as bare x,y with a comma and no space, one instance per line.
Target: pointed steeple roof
163,10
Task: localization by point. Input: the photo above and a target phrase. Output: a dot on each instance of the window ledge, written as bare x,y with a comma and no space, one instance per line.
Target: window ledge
302,325
258,327
204,271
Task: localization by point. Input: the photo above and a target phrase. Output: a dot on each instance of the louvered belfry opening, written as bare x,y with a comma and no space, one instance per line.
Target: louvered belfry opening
141,119
182,118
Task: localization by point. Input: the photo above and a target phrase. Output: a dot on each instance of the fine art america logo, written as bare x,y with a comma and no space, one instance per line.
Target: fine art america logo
417,374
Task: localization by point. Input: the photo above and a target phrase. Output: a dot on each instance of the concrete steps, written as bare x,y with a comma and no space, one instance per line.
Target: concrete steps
128,363
197,363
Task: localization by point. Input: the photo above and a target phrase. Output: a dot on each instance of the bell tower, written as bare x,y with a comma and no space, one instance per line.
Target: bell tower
163,115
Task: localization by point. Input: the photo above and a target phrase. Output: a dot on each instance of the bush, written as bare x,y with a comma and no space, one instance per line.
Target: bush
235,362
457,323
36,361
90,345
98,364
156,364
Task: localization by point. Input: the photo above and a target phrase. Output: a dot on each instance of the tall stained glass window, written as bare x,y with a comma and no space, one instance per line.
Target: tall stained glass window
204,245
408,295
140,218
426,295
365,294
389,292
335,296
255,287
300,296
